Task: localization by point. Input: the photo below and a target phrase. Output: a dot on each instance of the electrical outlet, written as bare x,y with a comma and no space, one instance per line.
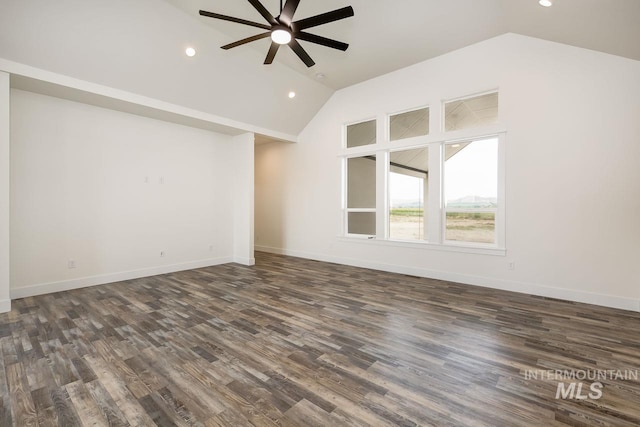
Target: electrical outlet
146,179
161,254
511,265
71,263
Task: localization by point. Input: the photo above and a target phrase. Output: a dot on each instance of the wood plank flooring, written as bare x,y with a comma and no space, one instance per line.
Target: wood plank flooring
293,342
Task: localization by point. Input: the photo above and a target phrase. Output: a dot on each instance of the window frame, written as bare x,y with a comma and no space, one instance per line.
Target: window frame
499,240
357,122
434,207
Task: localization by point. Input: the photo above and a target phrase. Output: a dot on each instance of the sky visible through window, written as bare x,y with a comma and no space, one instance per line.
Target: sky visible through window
405,191
473,171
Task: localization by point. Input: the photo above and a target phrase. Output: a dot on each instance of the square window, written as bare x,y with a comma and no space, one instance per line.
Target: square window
471,112
362,223
409,125
360,134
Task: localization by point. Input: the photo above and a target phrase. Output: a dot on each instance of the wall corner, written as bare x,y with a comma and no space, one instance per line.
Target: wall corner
243,198
5,191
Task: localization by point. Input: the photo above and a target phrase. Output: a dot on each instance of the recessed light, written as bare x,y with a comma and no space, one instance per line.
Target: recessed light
292,95
455,145
546,3
320,76
281,36
190,51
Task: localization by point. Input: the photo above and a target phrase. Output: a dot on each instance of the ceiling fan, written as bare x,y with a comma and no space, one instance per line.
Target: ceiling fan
284,30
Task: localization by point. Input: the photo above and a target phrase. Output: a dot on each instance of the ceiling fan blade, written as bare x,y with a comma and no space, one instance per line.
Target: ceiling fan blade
264,12
272,53
247,40
322,41
324,18
289,9
232,19
302,54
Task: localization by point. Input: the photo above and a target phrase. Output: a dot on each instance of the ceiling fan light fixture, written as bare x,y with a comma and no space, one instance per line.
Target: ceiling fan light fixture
281,36
284,30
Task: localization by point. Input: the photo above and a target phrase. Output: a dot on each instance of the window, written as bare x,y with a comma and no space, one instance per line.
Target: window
425,185
471,112
409,125
361,195
408,184
471,190
361,134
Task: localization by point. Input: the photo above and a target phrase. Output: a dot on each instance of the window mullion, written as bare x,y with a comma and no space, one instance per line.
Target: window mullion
382,199
382,132
434,209
500,227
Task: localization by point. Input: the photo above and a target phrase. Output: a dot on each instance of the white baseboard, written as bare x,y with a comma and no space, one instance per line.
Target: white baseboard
272,250
5,305
604,300
245,261
83,282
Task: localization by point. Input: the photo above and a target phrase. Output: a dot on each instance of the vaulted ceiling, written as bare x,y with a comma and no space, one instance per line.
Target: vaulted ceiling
138,46
385,36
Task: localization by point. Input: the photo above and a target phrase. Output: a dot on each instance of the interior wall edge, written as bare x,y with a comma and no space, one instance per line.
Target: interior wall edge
245,261
83,282
5,190
565,294
45,82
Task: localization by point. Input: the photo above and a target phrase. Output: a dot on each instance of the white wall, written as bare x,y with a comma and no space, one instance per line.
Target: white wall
572,174
243,184
110,191
5,302
271,190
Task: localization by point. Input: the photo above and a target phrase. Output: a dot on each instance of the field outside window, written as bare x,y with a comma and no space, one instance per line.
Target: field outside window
471,190
408,184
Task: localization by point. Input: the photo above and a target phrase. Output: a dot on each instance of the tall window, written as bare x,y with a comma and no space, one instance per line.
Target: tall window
361,195
471,190
408,184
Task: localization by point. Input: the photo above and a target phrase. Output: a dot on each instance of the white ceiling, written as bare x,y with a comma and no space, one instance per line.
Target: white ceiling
385,36
138,46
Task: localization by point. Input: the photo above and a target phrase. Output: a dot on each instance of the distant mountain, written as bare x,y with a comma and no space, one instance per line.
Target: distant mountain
467,202
406,203
470,202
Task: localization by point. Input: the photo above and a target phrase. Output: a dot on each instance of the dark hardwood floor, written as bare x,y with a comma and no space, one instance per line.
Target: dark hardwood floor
298,342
